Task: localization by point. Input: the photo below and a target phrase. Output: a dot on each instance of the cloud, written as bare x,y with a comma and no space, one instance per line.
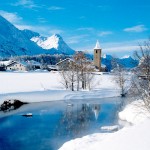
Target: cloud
22,27
43,30
11,17
122,48
55,8
105,33
26,3
76,39
55,31
18,22
42,20
85,29
138,28
115,48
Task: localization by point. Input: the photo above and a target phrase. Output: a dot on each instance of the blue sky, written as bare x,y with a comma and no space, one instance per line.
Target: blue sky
118,25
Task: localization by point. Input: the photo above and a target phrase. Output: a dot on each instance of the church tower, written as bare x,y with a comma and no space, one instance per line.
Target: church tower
97,56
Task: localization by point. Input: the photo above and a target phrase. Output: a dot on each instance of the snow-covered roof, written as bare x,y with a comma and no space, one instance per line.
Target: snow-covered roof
67,59
97,46
33,62
53,67
5,62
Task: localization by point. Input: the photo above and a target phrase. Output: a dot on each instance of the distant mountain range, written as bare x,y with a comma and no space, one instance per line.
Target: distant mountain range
126,62
15,42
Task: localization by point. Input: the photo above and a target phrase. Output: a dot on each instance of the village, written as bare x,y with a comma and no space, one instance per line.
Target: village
31,65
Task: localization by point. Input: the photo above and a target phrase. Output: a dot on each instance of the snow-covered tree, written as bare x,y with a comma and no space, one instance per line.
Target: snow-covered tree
121,78
141,80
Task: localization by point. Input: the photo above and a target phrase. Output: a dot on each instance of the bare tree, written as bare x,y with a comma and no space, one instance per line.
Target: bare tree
78,72
141,80
84,70
64,79
121,77
79,60
68,75
121,80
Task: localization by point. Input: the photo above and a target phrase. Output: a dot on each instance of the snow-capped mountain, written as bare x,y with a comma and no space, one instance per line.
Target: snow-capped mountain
13,42
55,41
127,61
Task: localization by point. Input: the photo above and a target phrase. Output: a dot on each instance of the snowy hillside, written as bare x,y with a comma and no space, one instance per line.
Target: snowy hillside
13,42
29,34
53,42
47,86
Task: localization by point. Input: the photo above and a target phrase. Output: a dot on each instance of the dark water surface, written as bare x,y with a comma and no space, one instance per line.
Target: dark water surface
54,123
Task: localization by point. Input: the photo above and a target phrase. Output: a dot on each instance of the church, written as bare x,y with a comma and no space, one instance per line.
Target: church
98,58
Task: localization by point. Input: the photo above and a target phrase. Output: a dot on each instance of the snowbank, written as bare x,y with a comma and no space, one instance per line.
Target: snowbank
46,86
135,137
134,113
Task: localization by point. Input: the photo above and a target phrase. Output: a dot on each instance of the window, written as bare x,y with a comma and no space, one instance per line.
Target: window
96,51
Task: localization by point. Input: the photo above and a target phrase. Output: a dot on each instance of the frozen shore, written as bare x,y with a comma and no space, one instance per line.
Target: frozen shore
46,86
134,137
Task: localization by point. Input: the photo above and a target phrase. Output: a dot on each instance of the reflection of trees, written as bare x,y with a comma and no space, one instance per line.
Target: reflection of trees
76,119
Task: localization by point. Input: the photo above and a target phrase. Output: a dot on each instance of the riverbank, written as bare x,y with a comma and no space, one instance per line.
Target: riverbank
135,137
46,86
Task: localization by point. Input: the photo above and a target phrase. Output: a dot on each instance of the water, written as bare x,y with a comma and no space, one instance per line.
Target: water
54,123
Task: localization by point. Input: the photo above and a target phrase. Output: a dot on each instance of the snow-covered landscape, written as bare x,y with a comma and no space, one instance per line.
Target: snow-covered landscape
46,86
74,75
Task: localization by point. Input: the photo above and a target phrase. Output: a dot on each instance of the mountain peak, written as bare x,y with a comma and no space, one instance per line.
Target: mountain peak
57,35
53,42
126,57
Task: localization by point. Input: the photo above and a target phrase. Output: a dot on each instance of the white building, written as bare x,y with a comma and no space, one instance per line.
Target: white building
17,66
23,66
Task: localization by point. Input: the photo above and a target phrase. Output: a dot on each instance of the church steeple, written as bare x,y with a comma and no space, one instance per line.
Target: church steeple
97,46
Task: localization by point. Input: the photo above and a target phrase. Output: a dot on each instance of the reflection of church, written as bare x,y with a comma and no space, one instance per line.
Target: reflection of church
97,58
77,118
96,110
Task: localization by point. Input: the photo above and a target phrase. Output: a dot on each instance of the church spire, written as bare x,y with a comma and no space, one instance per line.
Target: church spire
97,46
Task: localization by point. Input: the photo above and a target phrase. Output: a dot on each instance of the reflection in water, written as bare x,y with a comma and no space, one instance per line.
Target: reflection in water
74,121
96,110
52,124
